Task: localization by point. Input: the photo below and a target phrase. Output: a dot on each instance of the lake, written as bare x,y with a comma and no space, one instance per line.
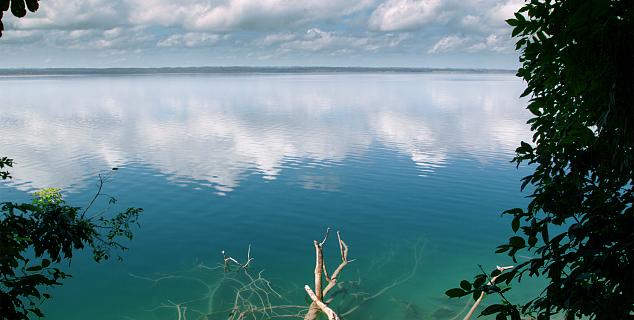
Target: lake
413,169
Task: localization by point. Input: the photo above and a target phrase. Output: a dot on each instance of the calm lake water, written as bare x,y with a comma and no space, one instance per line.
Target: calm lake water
412,168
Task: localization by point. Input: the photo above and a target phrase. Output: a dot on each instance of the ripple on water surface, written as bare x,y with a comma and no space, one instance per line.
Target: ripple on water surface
412,168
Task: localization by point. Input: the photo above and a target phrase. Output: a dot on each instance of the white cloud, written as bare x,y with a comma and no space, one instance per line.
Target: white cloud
315,39
276,38
118,38
501,11
113,33
74,14
448,44
228,15
465,25
190,39
454,43
394,15
265,29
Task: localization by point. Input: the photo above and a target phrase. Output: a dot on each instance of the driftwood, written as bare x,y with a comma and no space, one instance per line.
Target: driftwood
318,295
254,298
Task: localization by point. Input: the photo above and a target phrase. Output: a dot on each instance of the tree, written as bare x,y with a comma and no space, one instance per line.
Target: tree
18,8
577,60
35,237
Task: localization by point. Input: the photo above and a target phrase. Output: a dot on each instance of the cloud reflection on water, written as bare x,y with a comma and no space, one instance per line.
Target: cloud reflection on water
217,130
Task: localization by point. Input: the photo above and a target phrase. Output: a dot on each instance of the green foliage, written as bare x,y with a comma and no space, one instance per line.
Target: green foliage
47,196
18,8
482,283
4,164
35,237
577,60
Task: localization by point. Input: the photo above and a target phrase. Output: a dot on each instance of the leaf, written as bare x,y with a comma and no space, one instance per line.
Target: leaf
545,236
517,242
532,241
504,277
514,211
494,308
456,293
466,285
526,181
534,109
37,312
519,16
18,8
4,6
479,281
32,5
34,268
515,225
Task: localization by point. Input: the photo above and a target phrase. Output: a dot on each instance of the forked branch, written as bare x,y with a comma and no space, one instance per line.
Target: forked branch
318,295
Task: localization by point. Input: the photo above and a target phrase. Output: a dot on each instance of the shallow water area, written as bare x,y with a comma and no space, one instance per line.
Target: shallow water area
413,169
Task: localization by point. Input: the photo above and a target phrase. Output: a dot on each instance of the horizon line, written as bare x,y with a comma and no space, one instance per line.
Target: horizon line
237,69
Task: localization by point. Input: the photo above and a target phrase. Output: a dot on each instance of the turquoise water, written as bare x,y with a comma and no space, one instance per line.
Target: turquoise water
412,168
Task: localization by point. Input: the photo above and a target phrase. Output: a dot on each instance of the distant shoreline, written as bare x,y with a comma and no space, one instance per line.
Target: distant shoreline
235,70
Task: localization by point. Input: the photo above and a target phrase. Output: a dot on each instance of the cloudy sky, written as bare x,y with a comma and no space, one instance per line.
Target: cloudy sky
152,33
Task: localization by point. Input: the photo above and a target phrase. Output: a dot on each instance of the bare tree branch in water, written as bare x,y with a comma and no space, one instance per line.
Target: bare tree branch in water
317,297
238,292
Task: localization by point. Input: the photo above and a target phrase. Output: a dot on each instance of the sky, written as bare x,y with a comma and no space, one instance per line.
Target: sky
172,33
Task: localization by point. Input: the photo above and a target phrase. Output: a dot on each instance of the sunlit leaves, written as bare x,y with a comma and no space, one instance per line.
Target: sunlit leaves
50,231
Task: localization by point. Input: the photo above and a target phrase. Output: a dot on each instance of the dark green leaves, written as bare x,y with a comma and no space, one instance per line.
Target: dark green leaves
32,5
34,268
4,5
515,224
456,293
494,308
465,285
479,281
517,242
18,9
49,231
4,164
578,224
